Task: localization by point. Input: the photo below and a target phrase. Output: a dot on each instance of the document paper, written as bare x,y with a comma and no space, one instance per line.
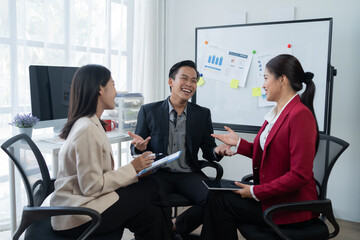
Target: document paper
160,162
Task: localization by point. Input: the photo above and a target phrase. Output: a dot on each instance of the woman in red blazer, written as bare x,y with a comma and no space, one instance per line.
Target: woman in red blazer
282,153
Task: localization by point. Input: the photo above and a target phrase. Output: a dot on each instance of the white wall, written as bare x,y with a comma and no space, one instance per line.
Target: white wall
183,16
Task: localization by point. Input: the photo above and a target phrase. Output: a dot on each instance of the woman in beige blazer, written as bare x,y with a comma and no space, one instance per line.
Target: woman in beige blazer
86,176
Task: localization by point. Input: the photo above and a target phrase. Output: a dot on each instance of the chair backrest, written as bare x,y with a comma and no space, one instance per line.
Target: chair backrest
32,167
330,149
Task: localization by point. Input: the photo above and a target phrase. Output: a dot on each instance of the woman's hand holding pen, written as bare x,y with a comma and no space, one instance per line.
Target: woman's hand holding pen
143,161
230,139
139,142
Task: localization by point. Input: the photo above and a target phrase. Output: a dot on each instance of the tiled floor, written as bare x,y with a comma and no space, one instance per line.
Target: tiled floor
348,231
5,235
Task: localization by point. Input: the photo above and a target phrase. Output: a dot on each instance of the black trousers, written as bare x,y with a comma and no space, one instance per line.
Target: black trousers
225,210
134,210
189,185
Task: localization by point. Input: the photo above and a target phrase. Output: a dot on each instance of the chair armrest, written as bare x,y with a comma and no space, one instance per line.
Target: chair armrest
248,178
218,167
52,185
33,214
319,206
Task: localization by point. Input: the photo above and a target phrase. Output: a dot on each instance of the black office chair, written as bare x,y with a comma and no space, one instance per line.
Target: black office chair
35,175
330,149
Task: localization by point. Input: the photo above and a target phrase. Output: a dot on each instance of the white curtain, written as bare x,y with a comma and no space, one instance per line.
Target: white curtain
58,32
148,51
55,32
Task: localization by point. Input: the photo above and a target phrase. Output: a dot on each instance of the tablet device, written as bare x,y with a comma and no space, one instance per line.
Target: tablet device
221,185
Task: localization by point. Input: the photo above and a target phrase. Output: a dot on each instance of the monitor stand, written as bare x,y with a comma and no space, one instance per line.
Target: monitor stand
57,124
57,129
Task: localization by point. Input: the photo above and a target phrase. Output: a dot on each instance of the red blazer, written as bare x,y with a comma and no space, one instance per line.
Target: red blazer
284,170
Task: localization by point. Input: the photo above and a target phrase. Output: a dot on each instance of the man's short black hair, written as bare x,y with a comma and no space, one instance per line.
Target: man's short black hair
174,69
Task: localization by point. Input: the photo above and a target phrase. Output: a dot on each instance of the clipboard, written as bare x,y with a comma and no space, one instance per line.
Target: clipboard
227,185
160,162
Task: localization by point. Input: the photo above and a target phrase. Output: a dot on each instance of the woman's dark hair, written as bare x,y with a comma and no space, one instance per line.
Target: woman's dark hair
85,89
290,66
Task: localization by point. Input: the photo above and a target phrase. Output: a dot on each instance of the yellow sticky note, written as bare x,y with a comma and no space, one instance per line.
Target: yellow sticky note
201,82
234,83
256,92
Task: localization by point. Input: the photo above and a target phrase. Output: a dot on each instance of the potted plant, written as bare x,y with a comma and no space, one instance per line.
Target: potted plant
24,122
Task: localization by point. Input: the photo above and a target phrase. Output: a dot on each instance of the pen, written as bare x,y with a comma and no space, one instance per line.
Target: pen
153,154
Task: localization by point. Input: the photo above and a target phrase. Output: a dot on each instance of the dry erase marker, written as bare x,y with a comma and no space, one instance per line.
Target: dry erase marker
151,155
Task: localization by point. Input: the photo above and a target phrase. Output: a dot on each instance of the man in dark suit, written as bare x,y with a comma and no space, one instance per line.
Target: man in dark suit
176,124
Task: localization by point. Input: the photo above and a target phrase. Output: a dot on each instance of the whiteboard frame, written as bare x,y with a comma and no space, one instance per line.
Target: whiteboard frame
331,72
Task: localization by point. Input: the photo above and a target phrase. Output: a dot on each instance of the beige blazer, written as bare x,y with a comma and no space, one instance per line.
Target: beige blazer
86,175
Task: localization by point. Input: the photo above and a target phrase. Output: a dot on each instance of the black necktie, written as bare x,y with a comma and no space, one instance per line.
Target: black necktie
175,117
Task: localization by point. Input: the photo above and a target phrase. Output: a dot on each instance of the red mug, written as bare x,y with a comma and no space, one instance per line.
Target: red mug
110,125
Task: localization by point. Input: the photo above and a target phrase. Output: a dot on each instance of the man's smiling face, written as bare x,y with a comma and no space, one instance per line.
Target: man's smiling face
185,83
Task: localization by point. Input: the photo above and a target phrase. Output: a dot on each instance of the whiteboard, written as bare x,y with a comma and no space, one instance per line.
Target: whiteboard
241,107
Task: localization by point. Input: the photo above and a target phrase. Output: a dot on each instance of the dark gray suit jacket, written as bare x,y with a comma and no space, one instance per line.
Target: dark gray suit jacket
153,120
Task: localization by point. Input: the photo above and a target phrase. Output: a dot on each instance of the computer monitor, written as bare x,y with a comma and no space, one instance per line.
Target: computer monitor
50,94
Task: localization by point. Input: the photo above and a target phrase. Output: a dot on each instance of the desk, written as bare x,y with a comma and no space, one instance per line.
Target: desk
45,145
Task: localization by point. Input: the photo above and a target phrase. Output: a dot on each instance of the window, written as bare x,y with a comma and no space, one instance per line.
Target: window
60,33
